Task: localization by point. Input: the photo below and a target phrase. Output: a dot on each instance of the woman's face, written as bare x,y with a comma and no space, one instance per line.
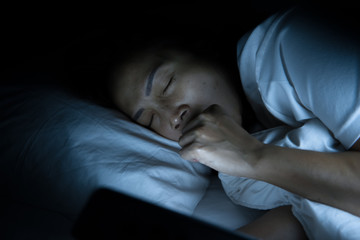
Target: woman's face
164,90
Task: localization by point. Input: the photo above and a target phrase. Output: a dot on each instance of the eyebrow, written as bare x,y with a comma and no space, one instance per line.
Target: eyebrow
149,81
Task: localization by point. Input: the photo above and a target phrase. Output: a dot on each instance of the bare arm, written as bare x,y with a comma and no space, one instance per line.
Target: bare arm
278,223
330,178
215,140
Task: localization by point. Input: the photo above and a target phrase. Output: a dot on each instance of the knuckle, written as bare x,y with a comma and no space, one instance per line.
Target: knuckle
206,116
191,152
196,151
213,109
183,140
201,132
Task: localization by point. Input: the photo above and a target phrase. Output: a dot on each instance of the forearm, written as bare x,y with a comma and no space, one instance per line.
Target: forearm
216,140
329,178
278,223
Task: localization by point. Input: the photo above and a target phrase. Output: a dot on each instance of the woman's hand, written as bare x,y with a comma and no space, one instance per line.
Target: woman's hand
216,140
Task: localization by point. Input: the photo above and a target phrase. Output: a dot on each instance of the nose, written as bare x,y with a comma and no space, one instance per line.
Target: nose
179,116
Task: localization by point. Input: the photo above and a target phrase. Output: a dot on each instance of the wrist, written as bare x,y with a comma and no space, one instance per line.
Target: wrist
255,157
261,162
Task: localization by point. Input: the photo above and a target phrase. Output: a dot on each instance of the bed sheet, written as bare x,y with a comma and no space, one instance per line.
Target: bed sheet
216,208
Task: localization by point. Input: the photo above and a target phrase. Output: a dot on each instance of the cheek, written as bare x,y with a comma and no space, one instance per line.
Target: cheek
169,133
201,91
162,126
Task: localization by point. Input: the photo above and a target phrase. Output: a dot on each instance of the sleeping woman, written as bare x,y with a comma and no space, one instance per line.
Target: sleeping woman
293,72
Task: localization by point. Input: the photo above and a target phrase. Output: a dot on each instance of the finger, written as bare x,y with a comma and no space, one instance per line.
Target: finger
200,126
205,116
203,132
193,123
191,152
188,132
187,138
210,114
214,109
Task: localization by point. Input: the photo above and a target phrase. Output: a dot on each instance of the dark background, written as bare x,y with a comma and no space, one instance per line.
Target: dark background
68,42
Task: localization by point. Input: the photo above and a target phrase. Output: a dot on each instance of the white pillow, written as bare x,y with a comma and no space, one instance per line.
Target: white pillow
57,149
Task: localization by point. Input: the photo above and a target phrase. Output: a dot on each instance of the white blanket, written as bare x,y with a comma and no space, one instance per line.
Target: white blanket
319,221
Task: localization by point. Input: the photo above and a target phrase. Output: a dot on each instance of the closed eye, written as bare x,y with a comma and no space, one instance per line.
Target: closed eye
151,120
168,84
